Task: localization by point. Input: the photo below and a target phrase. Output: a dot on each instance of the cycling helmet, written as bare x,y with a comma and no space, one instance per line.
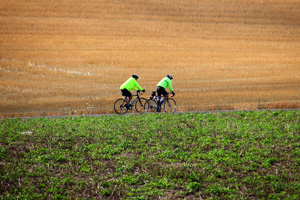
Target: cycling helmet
170,76
135,76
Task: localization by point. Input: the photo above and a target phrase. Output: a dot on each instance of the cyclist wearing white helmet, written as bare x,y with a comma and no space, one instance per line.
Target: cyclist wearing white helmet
165,83
130,84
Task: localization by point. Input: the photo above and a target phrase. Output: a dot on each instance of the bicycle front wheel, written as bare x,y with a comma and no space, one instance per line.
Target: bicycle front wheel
139,105
150,106
170,106
119,106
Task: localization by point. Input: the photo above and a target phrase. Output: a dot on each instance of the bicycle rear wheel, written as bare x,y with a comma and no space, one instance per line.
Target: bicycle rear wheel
150,106
119,106
170,106
139,105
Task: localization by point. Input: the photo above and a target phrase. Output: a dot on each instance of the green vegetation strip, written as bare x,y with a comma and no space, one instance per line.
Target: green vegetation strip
234,155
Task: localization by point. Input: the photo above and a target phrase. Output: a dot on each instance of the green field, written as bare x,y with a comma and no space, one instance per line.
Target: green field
218,155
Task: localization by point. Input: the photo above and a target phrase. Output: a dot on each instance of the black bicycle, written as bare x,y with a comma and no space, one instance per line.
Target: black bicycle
153,104
137,102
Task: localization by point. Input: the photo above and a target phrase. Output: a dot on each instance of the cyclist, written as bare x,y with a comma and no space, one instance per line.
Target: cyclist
165,83
130,84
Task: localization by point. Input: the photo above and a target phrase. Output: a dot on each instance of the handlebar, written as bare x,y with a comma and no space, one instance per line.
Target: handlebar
171,93
139,92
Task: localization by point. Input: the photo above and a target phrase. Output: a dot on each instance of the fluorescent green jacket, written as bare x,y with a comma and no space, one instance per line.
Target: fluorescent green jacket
131,84
165,83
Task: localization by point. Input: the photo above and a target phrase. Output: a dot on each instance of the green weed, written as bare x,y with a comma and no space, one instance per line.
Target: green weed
219,155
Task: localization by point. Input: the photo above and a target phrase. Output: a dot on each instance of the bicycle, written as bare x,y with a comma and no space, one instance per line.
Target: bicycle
151,105
138,103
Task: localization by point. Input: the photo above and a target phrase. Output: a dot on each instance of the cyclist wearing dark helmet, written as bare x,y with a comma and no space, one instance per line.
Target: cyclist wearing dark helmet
130,84
165,83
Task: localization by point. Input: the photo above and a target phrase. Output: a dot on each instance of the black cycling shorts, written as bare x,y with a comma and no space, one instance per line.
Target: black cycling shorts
126,93
161,91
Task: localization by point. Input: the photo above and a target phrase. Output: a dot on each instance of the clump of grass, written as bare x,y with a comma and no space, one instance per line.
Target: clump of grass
89,108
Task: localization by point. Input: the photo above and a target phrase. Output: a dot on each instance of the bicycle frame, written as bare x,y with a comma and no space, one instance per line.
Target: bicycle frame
137,97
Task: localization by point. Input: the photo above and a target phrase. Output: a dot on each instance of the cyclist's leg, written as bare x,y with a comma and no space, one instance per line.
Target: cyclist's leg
128,94
129,99
161,92
158,92
166,96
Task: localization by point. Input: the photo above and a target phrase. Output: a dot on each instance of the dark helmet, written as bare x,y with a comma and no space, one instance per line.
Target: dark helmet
170,76
135,76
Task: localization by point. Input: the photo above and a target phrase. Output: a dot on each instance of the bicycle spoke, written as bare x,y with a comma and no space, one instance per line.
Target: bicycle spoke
119,106
139,105
150,106
170,106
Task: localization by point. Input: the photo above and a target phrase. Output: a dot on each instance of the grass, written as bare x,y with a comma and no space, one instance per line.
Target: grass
227,155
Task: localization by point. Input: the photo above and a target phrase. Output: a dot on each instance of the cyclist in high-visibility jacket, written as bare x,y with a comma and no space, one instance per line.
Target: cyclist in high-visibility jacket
165,83
130,84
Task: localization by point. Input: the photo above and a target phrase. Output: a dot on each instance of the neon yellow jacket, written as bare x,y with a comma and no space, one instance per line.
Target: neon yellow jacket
165,83
131,84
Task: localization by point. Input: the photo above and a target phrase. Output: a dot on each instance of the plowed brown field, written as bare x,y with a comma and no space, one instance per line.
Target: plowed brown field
62,57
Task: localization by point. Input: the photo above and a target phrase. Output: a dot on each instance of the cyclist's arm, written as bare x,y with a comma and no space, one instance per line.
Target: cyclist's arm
137,86
170,85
